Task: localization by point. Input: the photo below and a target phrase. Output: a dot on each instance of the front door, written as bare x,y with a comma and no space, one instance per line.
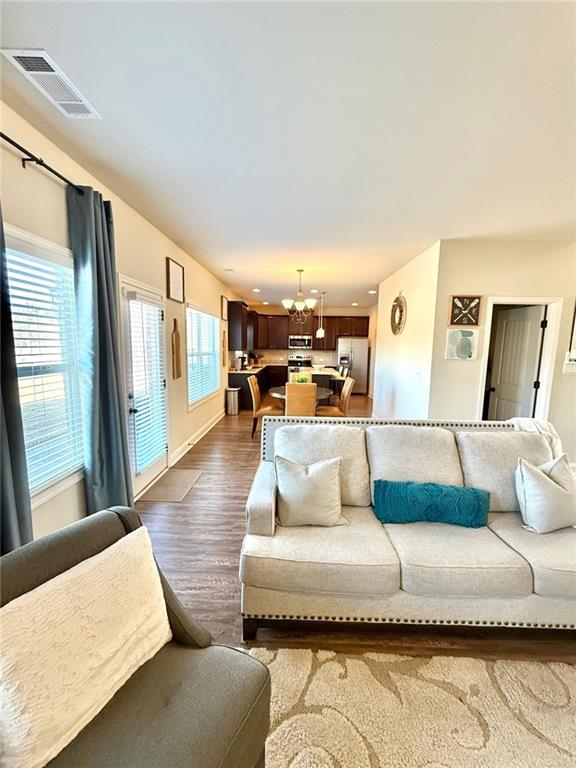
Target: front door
515,363
146,388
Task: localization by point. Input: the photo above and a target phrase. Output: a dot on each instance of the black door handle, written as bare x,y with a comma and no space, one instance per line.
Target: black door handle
132,410
492,389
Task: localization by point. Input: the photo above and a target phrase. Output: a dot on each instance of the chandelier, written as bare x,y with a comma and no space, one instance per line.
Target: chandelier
299,308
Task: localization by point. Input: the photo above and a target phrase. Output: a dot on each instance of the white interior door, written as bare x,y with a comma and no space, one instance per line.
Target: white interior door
517,347
146,388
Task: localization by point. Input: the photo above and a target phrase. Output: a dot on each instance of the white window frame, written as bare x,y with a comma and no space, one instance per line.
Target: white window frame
216,392
33,245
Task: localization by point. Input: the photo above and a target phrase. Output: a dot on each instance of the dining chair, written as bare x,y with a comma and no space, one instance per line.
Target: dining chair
301,399
299,375
342,408
344,372
267,406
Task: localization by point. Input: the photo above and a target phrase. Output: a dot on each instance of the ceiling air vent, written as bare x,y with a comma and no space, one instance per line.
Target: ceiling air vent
45,74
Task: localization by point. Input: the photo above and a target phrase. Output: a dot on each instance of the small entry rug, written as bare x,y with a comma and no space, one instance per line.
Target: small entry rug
172,486
377,710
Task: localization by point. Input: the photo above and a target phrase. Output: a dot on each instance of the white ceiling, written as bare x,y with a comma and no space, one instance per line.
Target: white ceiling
343,138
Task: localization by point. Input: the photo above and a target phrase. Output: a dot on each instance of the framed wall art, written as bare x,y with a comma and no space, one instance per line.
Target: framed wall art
223,308
461,344
174,280
465,310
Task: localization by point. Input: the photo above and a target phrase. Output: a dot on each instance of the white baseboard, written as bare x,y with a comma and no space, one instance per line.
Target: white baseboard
193,439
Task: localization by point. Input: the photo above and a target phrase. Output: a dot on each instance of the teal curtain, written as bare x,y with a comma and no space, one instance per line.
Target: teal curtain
107,462
16,515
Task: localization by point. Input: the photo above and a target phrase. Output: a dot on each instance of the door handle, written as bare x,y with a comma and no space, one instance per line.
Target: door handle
132,410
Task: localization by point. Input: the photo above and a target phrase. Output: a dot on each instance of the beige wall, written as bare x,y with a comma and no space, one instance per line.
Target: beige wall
35,202
372,342
502,269
403,363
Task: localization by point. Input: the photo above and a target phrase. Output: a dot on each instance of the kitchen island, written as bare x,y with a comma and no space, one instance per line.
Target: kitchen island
276,375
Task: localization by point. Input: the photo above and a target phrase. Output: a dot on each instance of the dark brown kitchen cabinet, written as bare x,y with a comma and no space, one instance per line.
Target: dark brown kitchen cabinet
237,325
302,329
252,331
360,326
277,375
262,333
330,336
344,326
278,331
352,326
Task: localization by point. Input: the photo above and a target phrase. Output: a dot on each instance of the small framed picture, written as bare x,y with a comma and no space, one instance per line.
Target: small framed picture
465,310
223,308
461,344
174,280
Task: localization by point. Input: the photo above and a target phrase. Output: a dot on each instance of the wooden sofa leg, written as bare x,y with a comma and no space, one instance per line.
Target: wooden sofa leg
254,425
249,629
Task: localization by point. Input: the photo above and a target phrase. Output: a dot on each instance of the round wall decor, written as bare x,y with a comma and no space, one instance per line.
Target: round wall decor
398,314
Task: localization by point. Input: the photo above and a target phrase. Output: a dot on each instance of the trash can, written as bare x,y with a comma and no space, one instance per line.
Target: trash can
232,401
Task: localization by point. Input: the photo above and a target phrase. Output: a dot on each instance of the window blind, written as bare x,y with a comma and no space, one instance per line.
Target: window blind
148,385
202,345
43,316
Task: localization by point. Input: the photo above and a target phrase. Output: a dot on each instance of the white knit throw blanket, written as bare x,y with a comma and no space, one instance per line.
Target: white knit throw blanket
524,424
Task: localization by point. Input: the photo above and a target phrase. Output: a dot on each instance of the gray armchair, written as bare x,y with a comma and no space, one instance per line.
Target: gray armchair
193,705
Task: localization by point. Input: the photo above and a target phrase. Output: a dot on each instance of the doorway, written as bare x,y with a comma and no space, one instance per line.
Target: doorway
145,382
514,364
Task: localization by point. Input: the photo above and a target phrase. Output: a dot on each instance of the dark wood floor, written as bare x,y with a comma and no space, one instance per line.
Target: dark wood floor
197,544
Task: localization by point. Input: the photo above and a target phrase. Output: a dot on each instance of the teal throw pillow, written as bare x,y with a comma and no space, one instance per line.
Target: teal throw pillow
408,502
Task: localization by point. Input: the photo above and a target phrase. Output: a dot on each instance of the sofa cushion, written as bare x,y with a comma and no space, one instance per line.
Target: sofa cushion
421,454
552,557
489,461
353,559
100,621
185,708
307,443
451,561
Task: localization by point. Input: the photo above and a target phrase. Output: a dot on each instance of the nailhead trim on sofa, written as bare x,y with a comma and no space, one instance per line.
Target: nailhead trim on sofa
369,422
397,620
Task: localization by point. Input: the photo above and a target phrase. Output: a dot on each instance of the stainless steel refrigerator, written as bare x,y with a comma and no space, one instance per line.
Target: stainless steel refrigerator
352,352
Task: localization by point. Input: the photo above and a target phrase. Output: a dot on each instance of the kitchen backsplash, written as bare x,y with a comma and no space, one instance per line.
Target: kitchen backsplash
279,356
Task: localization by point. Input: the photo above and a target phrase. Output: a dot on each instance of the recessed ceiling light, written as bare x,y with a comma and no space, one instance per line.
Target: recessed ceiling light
314,290
228,269
354,303
266,302
256,290
373,292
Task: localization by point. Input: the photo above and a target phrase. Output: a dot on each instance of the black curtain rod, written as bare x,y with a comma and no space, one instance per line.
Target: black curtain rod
32,158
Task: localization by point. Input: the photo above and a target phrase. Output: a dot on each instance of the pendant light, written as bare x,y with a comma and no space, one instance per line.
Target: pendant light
320,332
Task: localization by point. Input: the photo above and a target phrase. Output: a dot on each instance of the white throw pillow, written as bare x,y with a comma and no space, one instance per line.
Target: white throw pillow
546,494
309,494
70,644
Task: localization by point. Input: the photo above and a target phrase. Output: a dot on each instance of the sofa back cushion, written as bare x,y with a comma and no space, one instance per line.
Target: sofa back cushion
308,443
421,454
489,461
71,643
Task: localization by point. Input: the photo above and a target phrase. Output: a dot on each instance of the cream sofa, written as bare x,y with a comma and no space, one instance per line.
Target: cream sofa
417,573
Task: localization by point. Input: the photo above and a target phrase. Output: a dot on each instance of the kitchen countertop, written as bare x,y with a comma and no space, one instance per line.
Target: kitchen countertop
315,371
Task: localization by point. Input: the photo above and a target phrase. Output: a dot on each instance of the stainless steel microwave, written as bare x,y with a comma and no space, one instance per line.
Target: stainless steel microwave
299,342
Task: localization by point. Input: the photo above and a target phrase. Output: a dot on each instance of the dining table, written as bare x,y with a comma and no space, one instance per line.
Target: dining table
322,393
